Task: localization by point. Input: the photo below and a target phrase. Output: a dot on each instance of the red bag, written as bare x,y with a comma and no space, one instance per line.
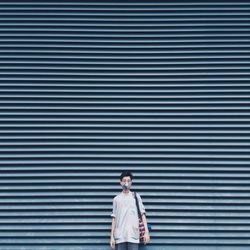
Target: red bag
141,230
141,224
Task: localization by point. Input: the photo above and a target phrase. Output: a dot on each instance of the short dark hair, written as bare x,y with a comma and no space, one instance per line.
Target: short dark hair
126,173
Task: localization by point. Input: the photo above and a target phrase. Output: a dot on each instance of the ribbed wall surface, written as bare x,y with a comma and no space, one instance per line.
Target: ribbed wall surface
91,88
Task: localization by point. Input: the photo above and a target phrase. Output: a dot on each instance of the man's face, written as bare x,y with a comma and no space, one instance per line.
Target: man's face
126,182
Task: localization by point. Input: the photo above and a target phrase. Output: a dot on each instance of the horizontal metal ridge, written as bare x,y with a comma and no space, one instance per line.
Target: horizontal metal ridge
102,247
77,234
209,119
81,242
140,8
100,104
231,188
119,115
126,24
28,108
130,49
158,58
152,19
97,214
73,85
160,201
121,74
174,180
161,176
117,125
123,30
108,195
138,14
172,221
164,142
130,95
142,170
132,113
118,43
124,131
129,3
132,69
108,207
121,150
120,63
123,161
148,34
129,137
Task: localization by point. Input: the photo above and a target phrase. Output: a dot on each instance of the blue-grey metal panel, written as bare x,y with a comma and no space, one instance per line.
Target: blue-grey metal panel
91,88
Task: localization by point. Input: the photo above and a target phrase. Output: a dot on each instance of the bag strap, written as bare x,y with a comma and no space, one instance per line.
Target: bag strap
137,205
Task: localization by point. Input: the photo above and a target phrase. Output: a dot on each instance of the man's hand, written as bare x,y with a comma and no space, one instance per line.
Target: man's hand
112,242
146,238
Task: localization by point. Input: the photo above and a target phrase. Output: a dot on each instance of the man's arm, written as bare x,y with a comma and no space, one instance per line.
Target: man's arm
112,236
146,235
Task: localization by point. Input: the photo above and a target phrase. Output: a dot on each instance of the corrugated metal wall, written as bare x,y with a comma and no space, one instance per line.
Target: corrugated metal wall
91,88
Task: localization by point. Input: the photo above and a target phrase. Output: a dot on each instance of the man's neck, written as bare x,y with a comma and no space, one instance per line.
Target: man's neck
125,191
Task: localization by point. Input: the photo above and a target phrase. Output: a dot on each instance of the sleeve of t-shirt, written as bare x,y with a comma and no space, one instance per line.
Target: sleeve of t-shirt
114,208
142,208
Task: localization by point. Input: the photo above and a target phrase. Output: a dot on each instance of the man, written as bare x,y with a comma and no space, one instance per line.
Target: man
125,224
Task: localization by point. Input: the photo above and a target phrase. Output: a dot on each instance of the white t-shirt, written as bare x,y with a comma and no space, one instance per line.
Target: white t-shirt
126,217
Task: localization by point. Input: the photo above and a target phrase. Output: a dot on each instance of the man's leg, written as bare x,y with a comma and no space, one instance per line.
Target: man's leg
133,246
121,246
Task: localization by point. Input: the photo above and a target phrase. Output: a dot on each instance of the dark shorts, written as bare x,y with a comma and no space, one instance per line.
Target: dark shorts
127,246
